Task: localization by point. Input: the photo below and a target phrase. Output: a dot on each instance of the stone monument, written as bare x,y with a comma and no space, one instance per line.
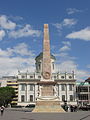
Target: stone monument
46,100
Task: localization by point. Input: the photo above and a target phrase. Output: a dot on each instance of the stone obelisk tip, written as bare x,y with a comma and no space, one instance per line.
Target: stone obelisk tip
45,25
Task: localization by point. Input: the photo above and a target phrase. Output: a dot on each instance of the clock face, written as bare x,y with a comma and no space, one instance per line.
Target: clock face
46,75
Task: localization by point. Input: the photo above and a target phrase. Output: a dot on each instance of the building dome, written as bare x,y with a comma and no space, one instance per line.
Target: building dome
40,56
39,62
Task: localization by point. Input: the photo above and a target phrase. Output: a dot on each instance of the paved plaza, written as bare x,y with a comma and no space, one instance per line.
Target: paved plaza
21,115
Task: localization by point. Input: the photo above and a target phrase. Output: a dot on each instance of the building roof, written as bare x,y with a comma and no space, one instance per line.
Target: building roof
41,56
82,83
87,80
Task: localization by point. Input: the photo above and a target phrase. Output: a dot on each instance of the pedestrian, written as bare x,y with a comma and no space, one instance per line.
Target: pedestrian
2,110
71,108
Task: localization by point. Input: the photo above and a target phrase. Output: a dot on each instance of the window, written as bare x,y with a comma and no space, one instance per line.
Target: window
23,76
63,97
22,87
31,76
22,98
63,87
70,77
83,96
70,87
55,77
62,77
83,89
71,97
31,87
31,98
53,65
39,66
39,76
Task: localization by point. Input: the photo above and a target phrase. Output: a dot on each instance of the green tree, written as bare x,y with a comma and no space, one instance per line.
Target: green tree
6,95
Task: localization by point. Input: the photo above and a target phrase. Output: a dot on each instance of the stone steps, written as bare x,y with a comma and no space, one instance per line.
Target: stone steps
49,105
48,108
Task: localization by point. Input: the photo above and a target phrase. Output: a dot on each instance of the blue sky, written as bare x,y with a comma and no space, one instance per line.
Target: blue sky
21,34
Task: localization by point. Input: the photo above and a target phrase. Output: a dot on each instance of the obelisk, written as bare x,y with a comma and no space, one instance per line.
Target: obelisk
47,101
46,69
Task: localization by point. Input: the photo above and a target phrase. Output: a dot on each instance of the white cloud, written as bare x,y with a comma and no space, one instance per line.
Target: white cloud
25,32
66,43
15,58
73,10
69,22
65,48
66,63
2,34
10,66
83,34
65,23
22,49
6,24
69,66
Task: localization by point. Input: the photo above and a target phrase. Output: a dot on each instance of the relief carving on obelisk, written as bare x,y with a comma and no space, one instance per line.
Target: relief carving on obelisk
46,54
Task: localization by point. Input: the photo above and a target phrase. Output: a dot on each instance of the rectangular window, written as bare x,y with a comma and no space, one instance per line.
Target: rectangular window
39,76
70,87
22,98
63,97
31,76
22,87
23,76
31,98
63,87
31,87
71,97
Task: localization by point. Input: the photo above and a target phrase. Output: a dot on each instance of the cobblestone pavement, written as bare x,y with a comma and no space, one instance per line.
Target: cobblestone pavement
21,115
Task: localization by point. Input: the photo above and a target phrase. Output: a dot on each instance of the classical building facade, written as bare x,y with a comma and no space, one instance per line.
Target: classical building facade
83,92
31,86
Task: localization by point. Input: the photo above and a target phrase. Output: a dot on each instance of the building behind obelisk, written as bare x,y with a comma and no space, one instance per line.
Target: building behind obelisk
46,88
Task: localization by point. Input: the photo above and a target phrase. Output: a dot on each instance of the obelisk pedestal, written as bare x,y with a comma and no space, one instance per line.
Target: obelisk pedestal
47,101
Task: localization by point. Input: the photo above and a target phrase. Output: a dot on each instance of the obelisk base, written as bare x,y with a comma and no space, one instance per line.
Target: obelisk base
48,105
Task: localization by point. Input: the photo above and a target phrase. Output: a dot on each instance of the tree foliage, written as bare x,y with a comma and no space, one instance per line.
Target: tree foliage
6,95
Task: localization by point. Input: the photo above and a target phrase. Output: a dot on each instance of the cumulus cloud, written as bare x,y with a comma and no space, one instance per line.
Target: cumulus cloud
65,23
69,22
72,11
14,29
83,34
69,66
5,23
25,32
2,34
15,58
66,63
66,47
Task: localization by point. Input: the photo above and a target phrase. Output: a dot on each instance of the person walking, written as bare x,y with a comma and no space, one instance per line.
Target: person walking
2,110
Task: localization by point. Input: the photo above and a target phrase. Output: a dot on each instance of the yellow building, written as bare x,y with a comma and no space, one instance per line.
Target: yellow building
12,82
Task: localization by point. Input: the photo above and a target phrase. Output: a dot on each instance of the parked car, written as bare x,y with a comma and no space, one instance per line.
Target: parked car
30,106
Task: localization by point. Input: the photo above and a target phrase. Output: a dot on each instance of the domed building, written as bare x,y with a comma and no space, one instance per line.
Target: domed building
39,62
45,81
